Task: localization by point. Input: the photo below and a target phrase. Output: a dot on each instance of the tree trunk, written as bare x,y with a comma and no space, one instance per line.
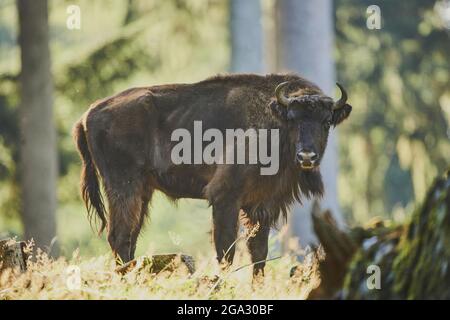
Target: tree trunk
246,36
38,137
305,42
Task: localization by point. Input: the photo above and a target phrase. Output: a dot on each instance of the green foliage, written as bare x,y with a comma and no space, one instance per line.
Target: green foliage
397,78
94,77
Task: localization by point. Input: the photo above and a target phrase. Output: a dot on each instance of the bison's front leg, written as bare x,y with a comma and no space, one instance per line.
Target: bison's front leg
258,246
225,229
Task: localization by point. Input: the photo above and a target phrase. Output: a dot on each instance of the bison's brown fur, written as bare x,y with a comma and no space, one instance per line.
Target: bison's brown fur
125,139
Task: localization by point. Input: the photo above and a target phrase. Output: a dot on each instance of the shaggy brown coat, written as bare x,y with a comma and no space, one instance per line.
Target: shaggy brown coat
126,140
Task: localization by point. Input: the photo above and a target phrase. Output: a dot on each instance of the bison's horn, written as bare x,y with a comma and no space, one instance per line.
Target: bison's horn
341,102
279,93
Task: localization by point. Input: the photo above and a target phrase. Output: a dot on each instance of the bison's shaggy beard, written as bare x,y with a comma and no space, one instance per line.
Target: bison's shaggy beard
310,183
285,193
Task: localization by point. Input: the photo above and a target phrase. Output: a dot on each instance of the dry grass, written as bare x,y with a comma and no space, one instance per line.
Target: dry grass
53,279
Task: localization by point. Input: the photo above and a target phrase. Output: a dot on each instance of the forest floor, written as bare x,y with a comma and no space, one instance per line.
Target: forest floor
96,278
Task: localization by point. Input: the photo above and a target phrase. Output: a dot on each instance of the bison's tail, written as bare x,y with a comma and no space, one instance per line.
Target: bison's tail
90,188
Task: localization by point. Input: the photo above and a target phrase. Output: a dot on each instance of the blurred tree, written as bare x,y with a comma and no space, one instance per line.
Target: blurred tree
38,169
305,35
246,36
397,78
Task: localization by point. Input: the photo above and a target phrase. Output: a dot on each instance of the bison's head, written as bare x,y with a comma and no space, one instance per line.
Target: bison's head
309,118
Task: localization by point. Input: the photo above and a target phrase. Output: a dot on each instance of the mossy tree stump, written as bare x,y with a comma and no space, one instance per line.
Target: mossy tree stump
413,259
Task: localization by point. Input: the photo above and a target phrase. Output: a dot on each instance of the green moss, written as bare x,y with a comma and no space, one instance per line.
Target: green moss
414,261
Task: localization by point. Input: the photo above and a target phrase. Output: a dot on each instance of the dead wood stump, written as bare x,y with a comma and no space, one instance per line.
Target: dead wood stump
413,258
12,255
338,246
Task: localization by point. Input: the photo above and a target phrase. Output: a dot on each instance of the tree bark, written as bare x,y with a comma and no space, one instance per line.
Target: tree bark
411,260
305,42
246,36
38,157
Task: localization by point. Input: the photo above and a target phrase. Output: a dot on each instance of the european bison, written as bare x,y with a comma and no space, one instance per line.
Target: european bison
127,140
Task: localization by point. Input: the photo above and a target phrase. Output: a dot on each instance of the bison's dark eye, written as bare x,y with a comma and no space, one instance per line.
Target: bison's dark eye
327,125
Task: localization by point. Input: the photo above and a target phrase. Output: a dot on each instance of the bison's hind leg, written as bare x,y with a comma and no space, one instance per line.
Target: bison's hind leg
145,199
127,212
118,142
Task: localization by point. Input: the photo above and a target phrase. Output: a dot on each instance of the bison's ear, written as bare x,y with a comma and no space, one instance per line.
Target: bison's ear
341,114
278,110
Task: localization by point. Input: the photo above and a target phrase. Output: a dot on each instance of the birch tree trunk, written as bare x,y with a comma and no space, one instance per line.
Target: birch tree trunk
38,137
246,36
305,44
